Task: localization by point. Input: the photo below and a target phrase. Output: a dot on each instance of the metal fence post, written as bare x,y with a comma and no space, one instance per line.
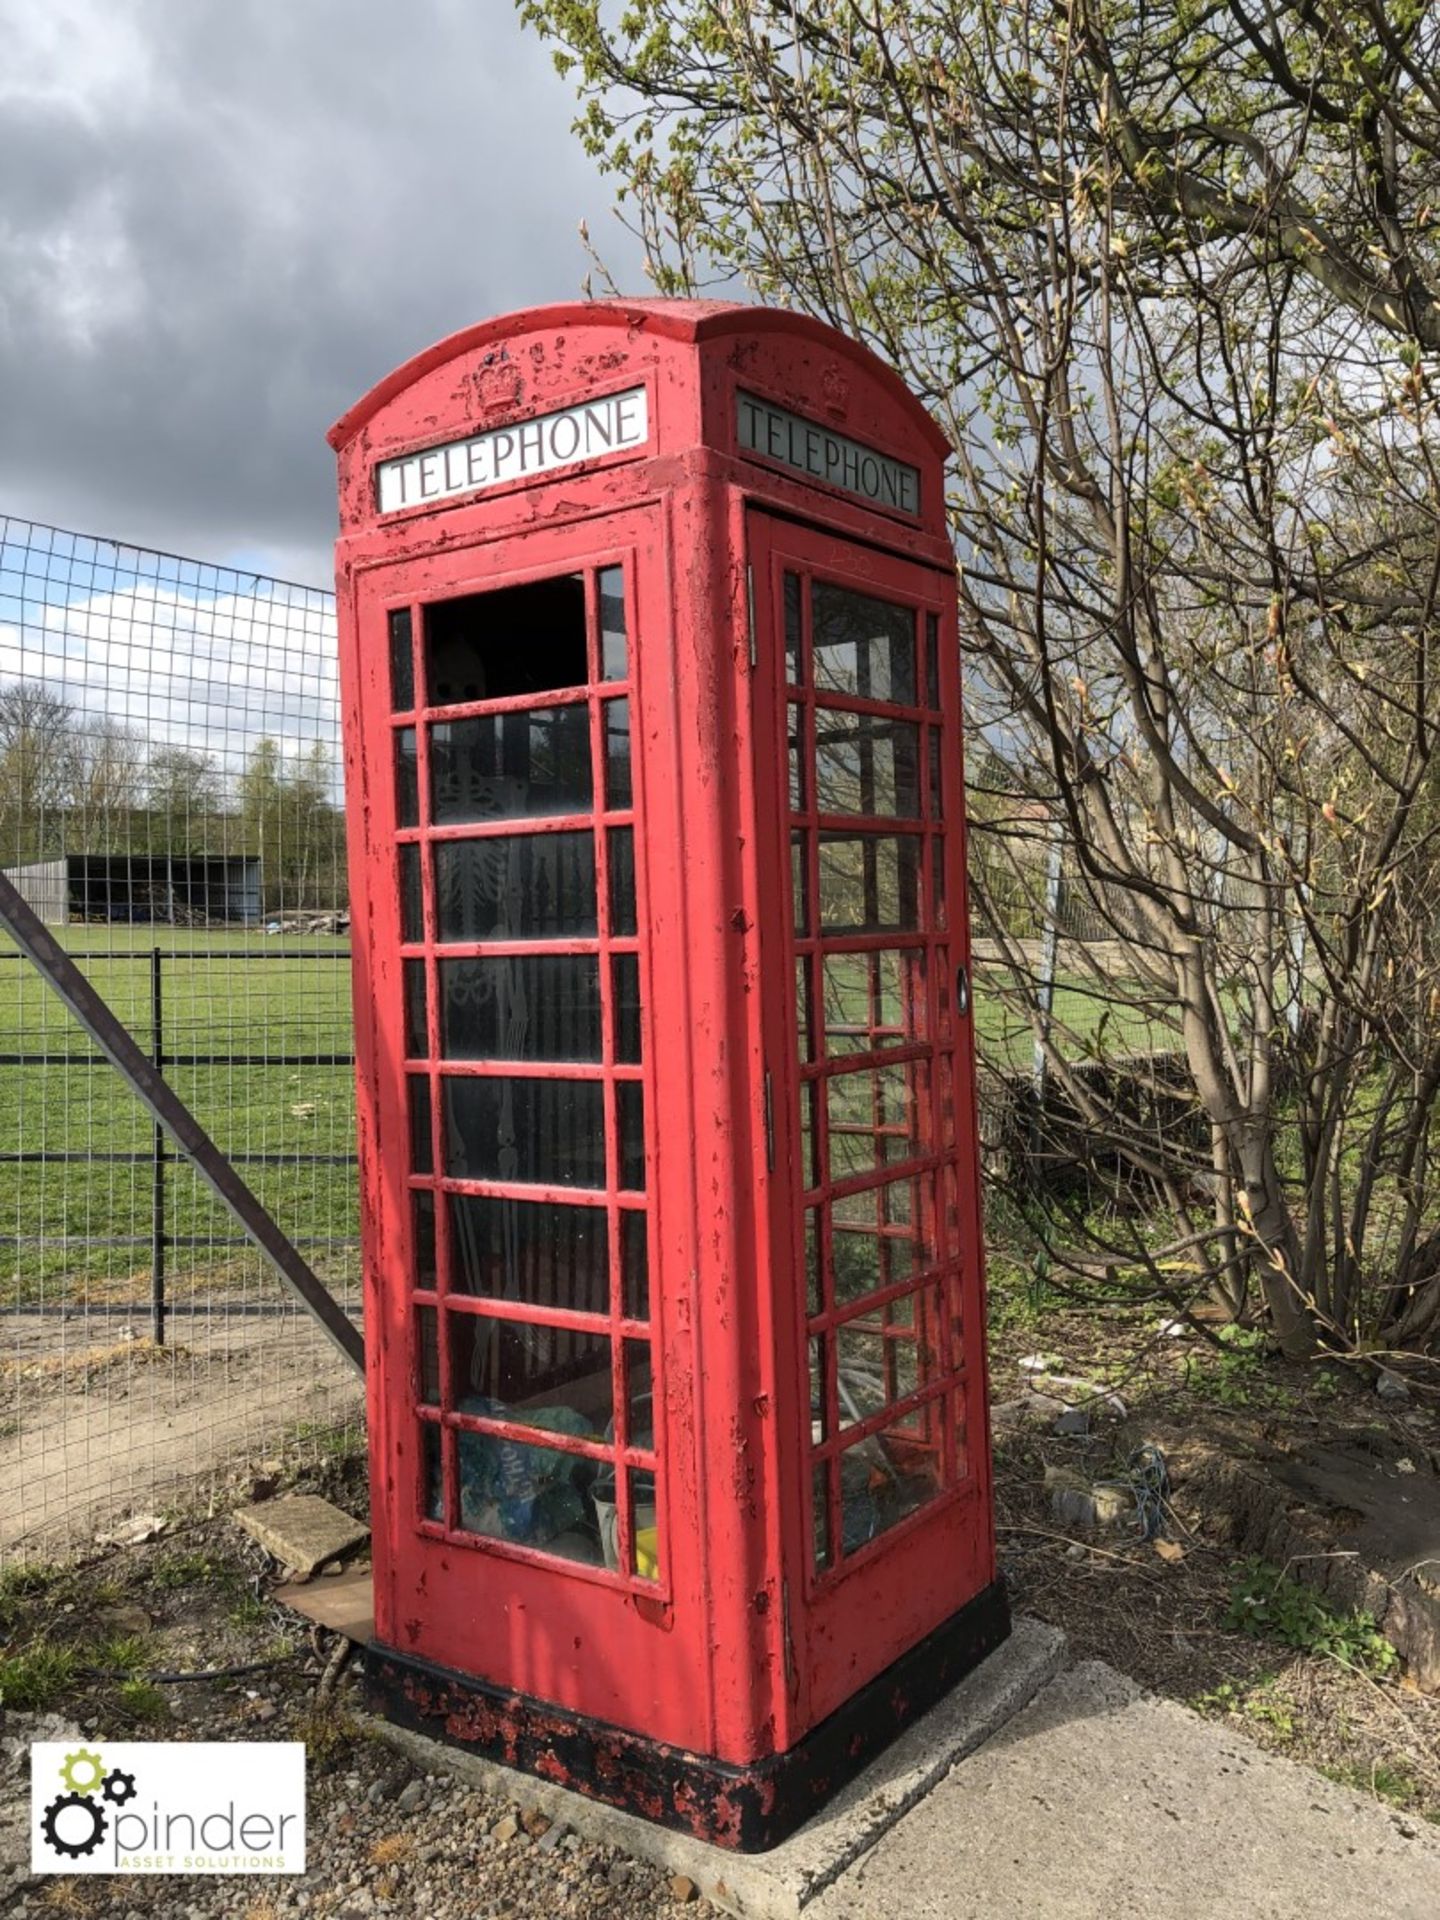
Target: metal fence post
157,1200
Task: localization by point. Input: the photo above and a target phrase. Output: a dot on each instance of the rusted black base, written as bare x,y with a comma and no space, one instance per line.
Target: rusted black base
747,1809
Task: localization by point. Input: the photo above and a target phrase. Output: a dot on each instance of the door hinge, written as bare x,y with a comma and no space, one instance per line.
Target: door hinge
769,1124
750,615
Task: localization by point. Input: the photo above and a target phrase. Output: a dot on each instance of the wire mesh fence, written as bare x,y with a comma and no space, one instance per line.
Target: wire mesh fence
170,805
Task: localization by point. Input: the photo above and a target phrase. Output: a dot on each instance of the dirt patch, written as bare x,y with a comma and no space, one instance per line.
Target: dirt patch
1226,1420
93,1427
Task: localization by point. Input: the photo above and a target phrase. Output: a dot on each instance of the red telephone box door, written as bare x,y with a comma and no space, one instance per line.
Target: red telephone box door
510,1042
874,1217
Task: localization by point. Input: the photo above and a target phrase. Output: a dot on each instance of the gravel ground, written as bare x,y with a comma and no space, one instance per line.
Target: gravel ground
382,1839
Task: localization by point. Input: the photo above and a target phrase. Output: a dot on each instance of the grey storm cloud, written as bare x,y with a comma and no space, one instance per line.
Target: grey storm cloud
221,221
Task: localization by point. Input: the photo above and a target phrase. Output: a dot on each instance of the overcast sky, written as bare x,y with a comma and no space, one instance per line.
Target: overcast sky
222,220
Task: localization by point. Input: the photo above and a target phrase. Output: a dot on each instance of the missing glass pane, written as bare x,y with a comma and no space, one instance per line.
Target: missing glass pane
521,1007
512,641
820,1514
432,1486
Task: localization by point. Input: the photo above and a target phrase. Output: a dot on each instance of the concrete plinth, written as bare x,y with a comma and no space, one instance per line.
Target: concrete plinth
778,1885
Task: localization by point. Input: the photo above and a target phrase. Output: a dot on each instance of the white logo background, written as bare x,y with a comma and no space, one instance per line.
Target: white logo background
167,1806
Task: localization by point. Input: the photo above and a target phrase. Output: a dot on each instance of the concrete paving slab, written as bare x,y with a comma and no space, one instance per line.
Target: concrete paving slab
302,1530
1100,1802
779,1885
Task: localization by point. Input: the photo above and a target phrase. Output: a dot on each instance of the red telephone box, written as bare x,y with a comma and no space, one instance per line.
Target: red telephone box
674,1293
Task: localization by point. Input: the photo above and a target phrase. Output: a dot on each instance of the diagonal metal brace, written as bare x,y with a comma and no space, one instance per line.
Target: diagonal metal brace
59,971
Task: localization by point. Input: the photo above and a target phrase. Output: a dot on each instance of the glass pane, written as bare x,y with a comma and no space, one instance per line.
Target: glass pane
432,1490
402,661
551,1377
872,1000
422,1153
869,883
618,791
521,1007
422,1220
644,1525
795,736
820,1511
533,886
412,919
626,990
804,1010
529,1494
932,660
937,878
794,664
810,1169
537,1251
889,1475
866,765
540,1132
874,1118
612,623
937,796
407,778
512,641
800,881
813,1300
634,1255
819,1390
862,645
639,1396
878,1360
417,1044
511,766
630,1118
427,1324
622,880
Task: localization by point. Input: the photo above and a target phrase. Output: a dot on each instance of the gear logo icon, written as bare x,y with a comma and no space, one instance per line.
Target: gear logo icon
78,1843
86,1763
118,1787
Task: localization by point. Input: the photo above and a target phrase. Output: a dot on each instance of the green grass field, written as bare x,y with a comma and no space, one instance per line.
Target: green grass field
239,993
238,997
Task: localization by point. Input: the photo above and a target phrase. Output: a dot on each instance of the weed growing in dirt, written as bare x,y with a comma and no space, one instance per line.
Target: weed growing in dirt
36,1677
141,1702
1269,1606
190,1570
1255,1702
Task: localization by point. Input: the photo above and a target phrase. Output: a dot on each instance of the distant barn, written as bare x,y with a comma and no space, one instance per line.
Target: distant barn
142,888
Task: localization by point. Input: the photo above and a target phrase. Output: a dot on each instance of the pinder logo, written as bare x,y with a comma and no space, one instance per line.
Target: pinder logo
168,1807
